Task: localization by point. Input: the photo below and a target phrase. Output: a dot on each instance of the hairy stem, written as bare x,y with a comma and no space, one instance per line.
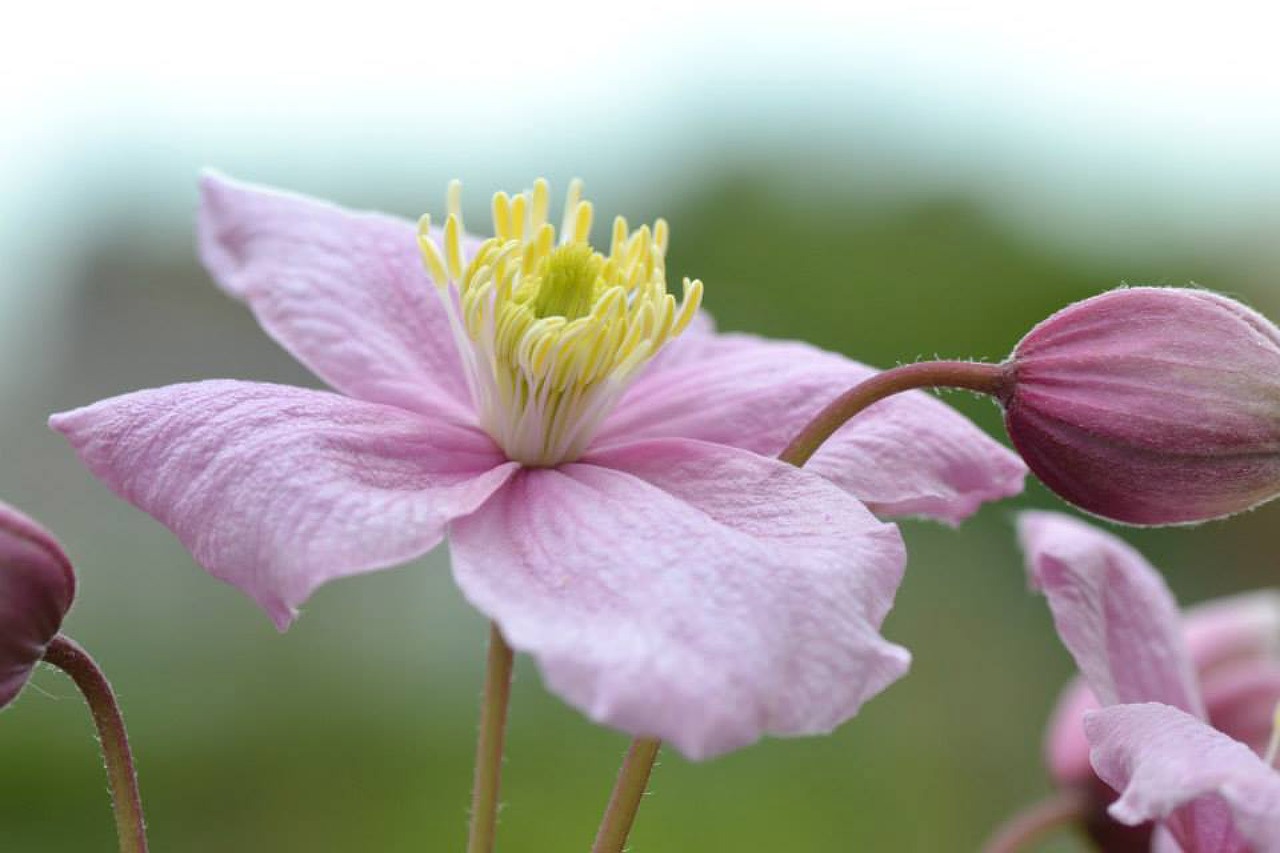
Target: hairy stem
633,779
68,655
971,375
1033,824
493,724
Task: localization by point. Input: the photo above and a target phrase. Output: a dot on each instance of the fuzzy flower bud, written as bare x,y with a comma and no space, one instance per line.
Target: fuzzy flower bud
1150,405
37,586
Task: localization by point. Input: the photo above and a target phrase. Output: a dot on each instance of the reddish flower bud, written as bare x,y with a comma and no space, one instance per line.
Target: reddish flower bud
1150,405
37,586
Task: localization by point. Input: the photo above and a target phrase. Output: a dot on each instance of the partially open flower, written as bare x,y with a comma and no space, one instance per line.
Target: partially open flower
36,590
1189,701
1150,405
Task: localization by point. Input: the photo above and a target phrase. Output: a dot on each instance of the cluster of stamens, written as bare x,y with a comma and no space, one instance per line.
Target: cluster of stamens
551,332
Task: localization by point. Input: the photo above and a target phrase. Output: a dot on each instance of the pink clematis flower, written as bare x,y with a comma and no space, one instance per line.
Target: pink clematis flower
37,587
600,459
1189,700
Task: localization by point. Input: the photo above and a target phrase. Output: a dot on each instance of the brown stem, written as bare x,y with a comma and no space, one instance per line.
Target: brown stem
493,724
633,779
67,655
1029,826
971,375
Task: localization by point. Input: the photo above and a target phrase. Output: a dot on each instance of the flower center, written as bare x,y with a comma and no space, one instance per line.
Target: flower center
552,332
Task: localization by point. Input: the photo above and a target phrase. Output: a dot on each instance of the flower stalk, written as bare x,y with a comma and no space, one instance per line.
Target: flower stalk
126,801
493,724
1023,830
969,375
633,780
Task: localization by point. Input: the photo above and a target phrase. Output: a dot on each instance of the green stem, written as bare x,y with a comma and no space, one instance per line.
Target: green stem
971,375
493,724
1028,827
633,779
67,655
974,376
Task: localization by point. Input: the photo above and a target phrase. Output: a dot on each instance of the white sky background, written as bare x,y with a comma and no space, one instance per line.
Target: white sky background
1078,117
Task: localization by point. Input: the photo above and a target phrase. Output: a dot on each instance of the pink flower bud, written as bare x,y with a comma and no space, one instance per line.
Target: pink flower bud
1150,405
37,586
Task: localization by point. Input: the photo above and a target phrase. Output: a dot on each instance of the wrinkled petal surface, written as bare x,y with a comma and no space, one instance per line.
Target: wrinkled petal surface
1216,794
276,489
36,590
906,456
1112,610
689,591
344,292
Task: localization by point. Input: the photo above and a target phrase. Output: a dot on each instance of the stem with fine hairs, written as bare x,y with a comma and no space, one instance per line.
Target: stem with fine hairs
989,379
126,802
493,725
633,779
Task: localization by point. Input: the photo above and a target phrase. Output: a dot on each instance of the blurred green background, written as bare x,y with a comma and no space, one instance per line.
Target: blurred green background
864,194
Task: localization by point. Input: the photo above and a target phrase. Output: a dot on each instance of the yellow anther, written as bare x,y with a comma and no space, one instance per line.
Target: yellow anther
582,222
453,200
571,199
519,206
501,216
546,240
661,234
430,253
453,246
619,236
688,306
541,202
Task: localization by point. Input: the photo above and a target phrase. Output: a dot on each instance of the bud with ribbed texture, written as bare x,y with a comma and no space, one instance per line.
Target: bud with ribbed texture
1150,405
36,590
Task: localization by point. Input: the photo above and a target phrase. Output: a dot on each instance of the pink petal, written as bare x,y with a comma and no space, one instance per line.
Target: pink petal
1226,632
908,455
689,591
1242,702
1168,765
1066,752
344,292
1112,610
37,587
276,489
1235,648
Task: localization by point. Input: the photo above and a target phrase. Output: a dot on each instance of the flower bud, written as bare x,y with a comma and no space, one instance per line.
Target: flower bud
37,586
1150,405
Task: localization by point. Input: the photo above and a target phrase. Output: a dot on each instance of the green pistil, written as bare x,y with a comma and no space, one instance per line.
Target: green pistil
568,286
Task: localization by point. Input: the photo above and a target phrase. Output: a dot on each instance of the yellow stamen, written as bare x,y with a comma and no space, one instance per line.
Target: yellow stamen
431,254
551,335
453,245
